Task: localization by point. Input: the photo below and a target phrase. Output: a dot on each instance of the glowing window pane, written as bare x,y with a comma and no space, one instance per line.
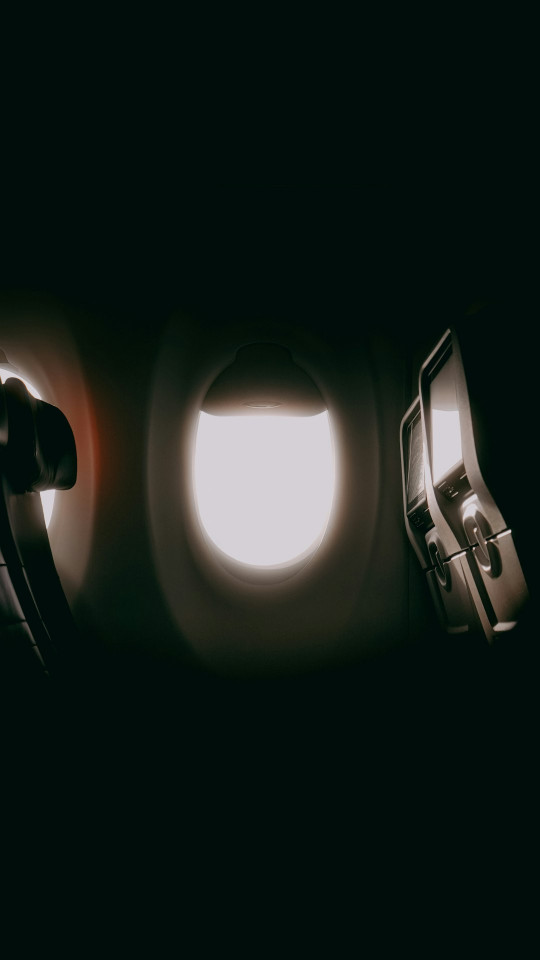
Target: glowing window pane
47,497
446,435
445,430
264,485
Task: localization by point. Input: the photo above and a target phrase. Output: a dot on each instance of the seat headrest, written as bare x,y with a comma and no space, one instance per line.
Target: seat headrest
39,442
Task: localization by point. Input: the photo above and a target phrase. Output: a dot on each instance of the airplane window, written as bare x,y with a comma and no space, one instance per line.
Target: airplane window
445,428
47,497
264,485
446,441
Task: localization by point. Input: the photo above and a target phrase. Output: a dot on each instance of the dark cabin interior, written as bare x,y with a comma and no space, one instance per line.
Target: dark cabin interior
392,779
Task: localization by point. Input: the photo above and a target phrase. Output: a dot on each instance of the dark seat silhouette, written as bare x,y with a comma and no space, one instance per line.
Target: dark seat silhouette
37,452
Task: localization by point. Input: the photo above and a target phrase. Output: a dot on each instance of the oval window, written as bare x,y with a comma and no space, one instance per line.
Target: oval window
47,496
264,485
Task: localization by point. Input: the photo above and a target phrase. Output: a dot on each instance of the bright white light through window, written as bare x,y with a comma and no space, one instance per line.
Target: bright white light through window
47,497
446,437
264,485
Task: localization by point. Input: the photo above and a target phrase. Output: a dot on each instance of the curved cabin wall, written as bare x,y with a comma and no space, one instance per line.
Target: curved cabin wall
126,540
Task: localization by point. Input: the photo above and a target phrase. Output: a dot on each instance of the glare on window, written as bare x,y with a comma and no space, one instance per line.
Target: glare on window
264,485
445,429
446,438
